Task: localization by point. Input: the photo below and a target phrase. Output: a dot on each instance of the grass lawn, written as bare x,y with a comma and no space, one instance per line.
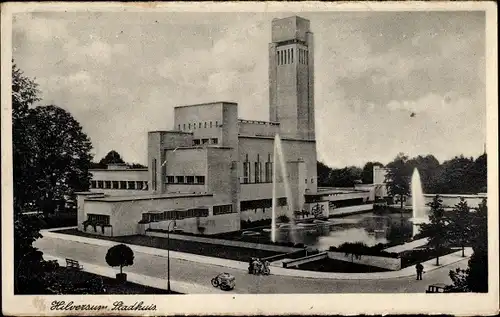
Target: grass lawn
207,249
74,278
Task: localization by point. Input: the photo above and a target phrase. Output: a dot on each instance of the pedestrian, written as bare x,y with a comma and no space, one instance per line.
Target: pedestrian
420,269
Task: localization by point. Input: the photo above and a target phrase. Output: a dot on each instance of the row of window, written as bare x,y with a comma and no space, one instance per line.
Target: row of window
175,215
285,56
185,214
258,171
199,125
103,219
205,141
128,185
222,209
185,180
261,203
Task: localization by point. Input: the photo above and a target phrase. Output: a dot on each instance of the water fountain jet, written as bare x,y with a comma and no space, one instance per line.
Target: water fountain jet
278,152
419,214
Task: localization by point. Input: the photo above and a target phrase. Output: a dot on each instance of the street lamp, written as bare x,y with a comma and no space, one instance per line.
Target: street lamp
168,253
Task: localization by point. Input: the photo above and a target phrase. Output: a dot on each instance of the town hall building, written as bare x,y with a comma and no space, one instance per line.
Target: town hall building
213,170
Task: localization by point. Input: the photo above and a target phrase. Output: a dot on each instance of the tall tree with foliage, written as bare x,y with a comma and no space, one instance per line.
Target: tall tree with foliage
398,177
459,226
429,168
437,228
62,156
475,277
112,157
25,94
367,173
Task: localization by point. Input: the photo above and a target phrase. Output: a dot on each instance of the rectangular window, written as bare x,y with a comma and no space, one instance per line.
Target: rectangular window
199,126
107,184
258,172
210,123
269,172
102,219
189,126
277,57
93,184
145,186
153,171
291,55
190,179
170,179
288,55
205,124
115,185
138,185
179,127
196,141
281,58
131,185
200,180
223,209
215,140
123,185
100,184
216,123
282,201
204,141
194,126
246,172
179,179
183,126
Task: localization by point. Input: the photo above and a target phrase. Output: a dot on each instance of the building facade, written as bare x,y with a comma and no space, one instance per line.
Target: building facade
214,170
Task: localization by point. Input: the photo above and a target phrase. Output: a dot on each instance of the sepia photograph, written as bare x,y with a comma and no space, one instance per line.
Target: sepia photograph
225,156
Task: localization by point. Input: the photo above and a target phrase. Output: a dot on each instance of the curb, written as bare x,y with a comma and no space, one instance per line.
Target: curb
277,271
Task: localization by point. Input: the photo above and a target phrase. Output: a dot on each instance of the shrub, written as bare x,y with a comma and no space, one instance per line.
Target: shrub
120,255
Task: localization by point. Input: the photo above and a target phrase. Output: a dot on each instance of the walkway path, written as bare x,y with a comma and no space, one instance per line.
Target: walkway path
192,273
407,246
238,265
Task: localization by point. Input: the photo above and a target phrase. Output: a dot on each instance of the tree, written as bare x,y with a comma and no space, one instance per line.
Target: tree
62,156
120,255
136,165
345,177
455,176
323,172
429,168
437,228
367,174
459,225
112,157
398,177
475,277
24,94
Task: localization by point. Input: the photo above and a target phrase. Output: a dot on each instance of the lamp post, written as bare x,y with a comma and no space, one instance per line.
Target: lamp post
168,254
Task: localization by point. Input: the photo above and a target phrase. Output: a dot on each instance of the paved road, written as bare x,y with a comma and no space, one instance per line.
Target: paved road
182,270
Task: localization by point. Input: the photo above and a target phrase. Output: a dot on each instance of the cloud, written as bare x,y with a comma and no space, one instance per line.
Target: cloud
121,74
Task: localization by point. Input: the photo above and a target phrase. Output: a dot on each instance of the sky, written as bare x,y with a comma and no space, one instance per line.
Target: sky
385,82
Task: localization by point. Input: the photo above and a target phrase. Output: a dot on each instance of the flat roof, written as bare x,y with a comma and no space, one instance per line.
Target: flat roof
119,170
170,131
271,137
209,104
148,197
201,147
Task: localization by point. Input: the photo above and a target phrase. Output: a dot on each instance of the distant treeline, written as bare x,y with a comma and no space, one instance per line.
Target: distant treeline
113,157
460,175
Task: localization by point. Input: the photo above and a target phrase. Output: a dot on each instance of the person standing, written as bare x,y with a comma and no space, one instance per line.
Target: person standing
420,270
